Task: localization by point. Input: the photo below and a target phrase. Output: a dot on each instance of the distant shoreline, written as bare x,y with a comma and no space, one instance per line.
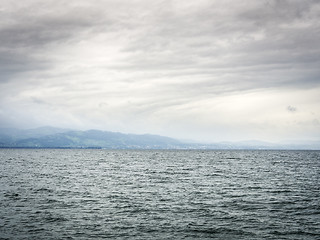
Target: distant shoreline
164,149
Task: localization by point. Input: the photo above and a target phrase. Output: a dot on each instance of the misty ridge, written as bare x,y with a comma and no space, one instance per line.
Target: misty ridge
51,137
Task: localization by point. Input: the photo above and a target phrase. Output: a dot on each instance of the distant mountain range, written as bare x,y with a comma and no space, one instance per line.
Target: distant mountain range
50,137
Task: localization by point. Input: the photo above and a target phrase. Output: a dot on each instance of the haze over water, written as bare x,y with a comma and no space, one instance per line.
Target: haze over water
129,194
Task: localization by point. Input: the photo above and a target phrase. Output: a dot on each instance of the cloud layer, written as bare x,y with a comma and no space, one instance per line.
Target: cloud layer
204,70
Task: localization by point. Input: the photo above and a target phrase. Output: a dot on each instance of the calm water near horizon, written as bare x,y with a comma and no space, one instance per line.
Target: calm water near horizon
159,194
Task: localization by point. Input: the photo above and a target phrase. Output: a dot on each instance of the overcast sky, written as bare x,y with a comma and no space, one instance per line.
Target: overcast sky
205,70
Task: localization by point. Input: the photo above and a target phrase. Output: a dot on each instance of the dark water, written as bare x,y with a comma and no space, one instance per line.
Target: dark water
99,194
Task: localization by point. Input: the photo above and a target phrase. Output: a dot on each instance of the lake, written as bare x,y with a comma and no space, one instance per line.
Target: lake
159,194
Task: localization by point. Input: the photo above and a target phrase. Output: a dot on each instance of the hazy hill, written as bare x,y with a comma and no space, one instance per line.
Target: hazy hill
10,136
50,137
63,138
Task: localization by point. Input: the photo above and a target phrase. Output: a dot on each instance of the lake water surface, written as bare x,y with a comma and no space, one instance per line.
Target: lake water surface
128,194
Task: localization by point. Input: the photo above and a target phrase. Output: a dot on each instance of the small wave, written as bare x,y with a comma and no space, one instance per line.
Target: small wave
220,231
51,200
296,232
55,219
43,189
35,230
12,195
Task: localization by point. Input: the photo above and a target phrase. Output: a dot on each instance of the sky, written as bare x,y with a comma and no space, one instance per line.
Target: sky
203,70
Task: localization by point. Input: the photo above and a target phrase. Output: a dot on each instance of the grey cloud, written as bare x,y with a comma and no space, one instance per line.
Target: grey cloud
164,37
28,30
39,101
275,11
206,44
145,57
291,109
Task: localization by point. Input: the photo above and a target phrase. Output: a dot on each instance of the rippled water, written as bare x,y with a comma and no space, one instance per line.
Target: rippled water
98,194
